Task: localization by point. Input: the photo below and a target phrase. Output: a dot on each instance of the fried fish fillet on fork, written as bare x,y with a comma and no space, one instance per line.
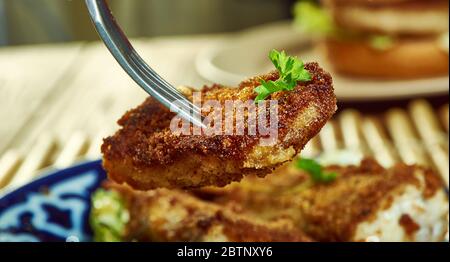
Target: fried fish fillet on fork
145,154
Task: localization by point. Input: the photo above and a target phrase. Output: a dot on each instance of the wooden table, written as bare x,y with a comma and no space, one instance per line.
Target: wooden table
61,88
55,93
58,101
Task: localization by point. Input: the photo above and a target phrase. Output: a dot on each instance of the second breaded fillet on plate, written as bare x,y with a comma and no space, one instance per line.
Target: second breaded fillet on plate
146,154
175,215
365,203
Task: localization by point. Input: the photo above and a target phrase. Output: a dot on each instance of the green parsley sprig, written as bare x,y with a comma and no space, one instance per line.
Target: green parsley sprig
291,70
315,170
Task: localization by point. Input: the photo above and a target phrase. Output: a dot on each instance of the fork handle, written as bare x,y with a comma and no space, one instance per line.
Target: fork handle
110,31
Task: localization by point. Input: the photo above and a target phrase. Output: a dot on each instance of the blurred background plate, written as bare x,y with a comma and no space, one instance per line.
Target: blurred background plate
54,207
246,55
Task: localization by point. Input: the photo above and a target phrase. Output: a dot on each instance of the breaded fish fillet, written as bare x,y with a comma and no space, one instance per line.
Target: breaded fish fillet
364,203
173,215
145,154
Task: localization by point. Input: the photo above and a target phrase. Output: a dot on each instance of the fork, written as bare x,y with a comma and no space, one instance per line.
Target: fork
122,50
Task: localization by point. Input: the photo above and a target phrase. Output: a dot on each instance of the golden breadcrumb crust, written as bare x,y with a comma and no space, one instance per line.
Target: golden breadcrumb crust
326,212
146,154
173,215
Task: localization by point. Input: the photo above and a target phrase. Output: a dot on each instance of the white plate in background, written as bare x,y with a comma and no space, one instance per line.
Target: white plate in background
229,62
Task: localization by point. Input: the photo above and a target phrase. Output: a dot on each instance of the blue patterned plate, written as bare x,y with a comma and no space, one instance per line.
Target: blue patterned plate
54,207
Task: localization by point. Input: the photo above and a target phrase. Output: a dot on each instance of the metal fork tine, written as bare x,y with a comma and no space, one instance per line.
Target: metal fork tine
178,102
151,75
149,71
122,50
163,86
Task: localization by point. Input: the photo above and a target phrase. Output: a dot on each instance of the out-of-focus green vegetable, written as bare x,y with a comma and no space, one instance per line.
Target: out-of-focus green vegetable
108,217
381,42
315,170
313,19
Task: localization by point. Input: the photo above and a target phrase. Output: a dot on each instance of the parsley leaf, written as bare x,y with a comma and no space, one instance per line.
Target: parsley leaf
315,170
291,70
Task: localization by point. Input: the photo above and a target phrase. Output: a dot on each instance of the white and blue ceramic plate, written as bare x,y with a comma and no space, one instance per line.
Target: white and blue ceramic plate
54,207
